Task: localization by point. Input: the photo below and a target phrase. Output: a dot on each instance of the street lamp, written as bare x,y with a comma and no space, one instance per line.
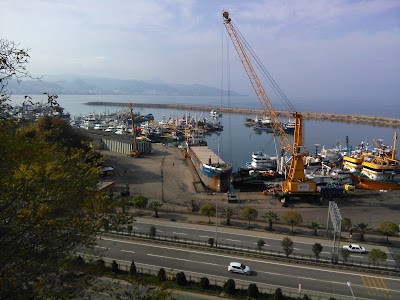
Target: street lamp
349,285
216,223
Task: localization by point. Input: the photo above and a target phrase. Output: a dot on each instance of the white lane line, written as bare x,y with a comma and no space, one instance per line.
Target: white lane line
204,236
234,233
264,244
234,240
296,249
127,251
101,247
179,233
159,230
253,260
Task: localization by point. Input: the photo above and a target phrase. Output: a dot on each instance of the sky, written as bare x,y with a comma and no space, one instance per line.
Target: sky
335,50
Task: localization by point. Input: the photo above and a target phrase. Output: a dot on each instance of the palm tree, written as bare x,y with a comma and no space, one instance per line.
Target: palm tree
315,226
155,205
228,213
362,227
271,217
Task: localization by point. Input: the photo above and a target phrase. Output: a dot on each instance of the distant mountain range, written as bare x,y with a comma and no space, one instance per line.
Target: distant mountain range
106,86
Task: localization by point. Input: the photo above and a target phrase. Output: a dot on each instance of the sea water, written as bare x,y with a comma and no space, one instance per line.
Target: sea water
236,142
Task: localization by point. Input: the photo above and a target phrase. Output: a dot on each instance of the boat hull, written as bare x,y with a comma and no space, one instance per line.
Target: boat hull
214,175
376,185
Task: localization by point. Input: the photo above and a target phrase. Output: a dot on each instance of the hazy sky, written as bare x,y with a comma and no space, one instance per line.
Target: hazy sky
314,49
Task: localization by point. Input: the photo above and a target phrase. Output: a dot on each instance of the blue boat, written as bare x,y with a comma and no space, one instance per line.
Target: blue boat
212,170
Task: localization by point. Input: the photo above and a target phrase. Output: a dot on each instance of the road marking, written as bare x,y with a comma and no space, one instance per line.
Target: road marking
127,251
296,249
239,234
181,233
159,230
204,236
234,240
101,247
189,260
264,244
253,260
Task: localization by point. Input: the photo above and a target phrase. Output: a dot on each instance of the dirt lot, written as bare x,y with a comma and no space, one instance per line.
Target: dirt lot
167,176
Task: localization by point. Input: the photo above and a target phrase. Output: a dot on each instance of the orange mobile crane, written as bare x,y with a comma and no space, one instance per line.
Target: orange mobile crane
295,183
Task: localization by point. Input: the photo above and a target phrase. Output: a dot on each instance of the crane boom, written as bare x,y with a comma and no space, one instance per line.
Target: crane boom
266,105
295,182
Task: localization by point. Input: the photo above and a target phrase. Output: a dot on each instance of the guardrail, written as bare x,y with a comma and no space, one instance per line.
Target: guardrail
220,281
265,253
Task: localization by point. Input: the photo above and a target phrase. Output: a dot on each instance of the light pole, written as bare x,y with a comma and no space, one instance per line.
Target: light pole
216,223
349,284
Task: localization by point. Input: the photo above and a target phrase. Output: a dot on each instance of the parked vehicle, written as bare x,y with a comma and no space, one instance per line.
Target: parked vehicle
240,268
355,248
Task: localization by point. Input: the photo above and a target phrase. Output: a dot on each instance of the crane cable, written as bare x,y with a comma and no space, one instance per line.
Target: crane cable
284,99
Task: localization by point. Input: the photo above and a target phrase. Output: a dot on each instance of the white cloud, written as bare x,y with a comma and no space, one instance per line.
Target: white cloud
310,47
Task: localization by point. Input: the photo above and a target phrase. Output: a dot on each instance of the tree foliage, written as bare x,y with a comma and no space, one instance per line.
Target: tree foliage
204,283
376,255
155,205
249,214
317,249
362,227
292,218
388,228
230,286
140,201
228,213
252,291
287,245
208,210
181,279
346,224
271,217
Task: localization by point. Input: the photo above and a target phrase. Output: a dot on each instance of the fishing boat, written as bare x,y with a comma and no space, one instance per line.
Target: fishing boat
212,170
381,172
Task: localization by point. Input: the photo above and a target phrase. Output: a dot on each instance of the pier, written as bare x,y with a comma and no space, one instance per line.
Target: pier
332,117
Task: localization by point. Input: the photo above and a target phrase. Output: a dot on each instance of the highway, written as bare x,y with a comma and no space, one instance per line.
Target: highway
248,239
267,274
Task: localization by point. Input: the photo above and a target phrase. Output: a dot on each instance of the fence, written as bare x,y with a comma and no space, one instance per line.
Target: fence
246,250
220,281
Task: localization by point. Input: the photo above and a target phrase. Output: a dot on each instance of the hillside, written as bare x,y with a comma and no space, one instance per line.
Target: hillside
107,86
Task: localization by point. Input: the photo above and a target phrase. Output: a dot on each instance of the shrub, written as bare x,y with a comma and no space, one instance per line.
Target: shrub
162,276
153,232
180,279
204,283
306,297
278,294
252,291
115,267
229,287
211,241
132,269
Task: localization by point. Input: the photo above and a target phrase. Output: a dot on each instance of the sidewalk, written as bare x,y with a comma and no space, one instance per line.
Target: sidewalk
280,231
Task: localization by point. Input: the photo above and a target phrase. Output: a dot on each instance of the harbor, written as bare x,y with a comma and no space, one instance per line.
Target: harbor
333,117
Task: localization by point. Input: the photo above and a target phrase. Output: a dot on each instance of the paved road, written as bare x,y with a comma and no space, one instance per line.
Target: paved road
246,239
268,274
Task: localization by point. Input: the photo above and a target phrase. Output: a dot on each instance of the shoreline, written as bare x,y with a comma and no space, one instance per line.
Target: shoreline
332,117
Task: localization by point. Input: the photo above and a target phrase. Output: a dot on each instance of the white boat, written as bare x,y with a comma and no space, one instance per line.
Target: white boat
215,113
262,161
101,126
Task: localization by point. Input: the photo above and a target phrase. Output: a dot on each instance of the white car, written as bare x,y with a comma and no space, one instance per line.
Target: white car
239,268
355,248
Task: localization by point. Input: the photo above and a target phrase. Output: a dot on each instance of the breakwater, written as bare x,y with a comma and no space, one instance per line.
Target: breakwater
332,117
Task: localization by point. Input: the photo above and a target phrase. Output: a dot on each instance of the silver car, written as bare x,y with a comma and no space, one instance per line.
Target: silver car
236,267
355,248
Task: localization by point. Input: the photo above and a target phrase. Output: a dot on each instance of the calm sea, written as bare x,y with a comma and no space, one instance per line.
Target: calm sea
236,142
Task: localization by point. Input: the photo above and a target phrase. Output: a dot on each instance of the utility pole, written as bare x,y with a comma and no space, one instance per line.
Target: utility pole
216,223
